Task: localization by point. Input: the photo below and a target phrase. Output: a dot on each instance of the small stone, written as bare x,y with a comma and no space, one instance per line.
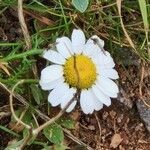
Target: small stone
121,147
120,118
115,141
112,114
91,127
125,98
144,112
105,115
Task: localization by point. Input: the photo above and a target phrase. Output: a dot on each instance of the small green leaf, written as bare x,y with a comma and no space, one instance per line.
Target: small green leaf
80,5
144,13
56,147
60,147
18,113
9,131
47,148
26,132
67,123
54,133
14,146
36,92
26,117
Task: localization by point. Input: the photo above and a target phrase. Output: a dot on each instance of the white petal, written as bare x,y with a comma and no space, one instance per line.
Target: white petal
99,55
97,40
71,107
93,45
51,73
55,95
86,102
110,73
64,46
51,85
104,59
98,105
53,102
54,57
89,49
68,95
101,96
108,86
78,41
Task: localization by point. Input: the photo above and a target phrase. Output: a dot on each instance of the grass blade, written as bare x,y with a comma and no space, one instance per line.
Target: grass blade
9,131
143,9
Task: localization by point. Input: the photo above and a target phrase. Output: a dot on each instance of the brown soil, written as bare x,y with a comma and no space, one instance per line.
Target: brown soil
120,126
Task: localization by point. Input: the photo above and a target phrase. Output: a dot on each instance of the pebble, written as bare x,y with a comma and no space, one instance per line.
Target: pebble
144,112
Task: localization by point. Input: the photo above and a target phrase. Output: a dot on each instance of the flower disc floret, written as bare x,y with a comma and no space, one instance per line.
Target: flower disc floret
79,64
80,72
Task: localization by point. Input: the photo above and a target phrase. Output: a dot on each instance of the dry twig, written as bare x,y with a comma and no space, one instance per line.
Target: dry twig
12,109
75,97
122,25
99,126
23,25
36,131
45,118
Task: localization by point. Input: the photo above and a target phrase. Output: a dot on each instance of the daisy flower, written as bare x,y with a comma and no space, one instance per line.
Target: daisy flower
95,71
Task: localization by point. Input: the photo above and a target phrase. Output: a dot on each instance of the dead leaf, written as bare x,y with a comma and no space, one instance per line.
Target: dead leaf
115,141
16,127
4,66
40,18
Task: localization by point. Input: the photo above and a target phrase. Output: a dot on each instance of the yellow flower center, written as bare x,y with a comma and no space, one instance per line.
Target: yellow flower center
80,72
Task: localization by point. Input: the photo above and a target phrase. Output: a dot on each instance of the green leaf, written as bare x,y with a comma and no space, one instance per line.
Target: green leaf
60,147
36,92
47,148
144,13
67,123
18,113
26,117
14,146
9,131
26,132
54,133
143,9
56,147
80,5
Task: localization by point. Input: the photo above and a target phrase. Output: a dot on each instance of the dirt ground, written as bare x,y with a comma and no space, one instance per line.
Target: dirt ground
117,127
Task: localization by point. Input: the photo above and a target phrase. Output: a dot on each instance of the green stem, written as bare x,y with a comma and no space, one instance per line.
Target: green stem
29,81
9,44
9,131
22,55
64,16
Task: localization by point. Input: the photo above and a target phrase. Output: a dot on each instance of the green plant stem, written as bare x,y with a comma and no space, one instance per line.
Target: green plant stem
64,16
9,131
21,55
29,81
9,44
